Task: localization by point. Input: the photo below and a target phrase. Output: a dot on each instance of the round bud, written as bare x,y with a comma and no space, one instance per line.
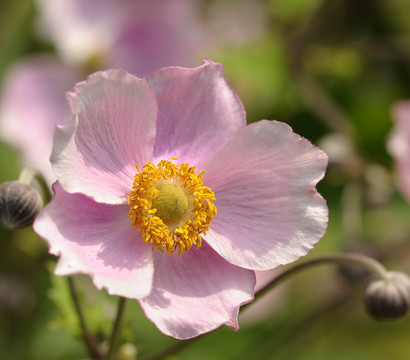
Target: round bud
127,351
389,299
19,204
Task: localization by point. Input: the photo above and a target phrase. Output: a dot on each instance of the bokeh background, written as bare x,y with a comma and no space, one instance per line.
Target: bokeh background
332,69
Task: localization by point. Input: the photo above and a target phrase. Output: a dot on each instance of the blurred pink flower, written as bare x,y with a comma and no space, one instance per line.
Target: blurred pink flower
139,36
261,179
399,145
144,35
32,104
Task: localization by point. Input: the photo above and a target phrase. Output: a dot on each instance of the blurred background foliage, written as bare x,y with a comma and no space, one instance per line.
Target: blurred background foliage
332,69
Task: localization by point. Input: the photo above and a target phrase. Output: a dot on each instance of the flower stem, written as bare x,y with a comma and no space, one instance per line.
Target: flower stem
27,175
357,259
89,340
174,349
116,331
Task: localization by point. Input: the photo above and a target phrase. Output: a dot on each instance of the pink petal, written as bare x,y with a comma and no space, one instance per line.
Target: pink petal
96,239
269,304
269,212
399,146
113,129
140,36
156,34
32,104
81,29
198,111
196,292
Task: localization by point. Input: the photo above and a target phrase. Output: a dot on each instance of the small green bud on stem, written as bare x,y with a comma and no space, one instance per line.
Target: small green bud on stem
389,298
19,204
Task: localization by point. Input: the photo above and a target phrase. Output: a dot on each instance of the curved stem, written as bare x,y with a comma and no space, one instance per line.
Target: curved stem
357,259
317,100
88,338
116,331
173,349
28,175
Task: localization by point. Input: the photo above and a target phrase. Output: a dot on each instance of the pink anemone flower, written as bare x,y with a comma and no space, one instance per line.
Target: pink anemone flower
31,105
165,195
140,36
399,146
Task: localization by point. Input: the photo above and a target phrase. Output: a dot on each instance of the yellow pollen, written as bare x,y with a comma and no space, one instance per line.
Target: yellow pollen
170,206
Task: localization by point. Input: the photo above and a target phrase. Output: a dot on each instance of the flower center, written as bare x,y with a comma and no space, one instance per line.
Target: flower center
171,203
170,206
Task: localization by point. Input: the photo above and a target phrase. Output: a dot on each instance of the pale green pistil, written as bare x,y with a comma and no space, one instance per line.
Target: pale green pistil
171,203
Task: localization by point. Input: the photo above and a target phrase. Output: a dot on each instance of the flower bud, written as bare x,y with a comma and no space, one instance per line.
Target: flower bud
19,204
389,299
127,351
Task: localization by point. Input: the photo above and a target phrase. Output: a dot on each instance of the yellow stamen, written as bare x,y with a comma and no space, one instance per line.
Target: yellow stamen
170,206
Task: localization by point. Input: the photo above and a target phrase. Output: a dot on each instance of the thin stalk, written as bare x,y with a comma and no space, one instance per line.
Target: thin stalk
29,175
89,339
173,349
357,259
117,328
314,96
26,175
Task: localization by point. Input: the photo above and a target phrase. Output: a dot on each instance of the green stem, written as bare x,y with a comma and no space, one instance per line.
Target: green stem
89,340
28,175
174,349
117,328
322,105
361,260
357,259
